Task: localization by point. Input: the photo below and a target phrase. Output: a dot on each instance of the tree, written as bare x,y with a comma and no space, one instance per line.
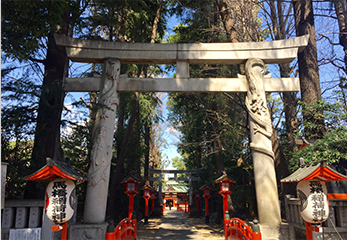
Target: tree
331,147
24,25
308,69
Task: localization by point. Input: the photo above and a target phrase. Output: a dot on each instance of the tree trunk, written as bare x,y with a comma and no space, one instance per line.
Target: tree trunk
308,69
340,9
148,146
156,21
289,101
228,22
47,134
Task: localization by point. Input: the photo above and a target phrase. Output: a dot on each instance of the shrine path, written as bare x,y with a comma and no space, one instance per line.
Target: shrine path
176,226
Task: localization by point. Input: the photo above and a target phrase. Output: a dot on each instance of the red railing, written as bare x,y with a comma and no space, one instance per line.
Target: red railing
182,207
125,230
235,228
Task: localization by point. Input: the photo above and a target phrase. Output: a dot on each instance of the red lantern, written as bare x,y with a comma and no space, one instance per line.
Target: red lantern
153,196
206,194
131,190
224,189
146,194
224,182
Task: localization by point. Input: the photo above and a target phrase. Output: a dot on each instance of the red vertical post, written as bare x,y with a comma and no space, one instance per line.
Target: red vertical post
308,231
135,227
207,216
197,204
131,205
152,204
225,203
146,208
63,234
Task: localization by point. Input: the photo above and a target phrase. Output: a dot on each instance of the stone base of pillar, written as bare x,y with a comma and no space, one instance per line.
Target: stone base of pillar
81,231
280,232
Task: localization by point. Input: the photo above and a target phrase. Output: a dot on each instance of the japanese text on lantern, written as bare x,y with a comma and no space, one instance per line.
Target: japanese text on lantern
317,199
59,197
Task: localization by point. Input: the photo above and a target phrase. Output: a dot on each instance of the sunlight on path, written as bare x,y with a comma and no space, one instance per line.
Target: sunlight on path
176,225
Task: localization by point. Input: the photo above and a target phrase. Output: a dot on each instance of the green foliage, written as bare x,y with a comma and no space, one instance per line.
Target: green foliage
332,147
17,155
122,20
334,115
18,117
178,163
25,23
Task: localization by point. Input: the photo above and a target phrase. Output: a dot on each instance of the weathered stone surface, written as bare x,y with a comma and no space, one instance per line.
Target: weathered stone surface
263,158
35,216
87,231
25,234
182,84
8,217
21,217
101,153
270,232
3,181
196,53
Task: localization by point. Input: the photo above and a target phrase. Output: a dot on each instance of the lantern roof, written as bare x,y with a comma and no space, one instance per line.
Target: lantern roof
131,177
147,186
319,170
54,169
224,178
206,186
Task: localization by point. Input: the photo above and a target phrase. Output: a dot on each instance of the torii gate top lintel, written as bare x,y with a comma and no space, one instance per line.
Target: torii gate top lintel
182,55
92,51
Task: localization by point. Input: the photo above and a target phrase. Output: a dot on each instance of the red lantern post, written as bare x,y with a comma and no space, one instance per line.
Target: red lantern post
131,190
197,197
146,195
206,194
153,196
224,189
186,203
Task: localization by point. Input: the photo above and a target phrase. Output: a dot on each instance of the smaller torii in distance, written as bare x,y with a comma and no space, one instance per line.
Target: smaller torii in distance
190,178
253,54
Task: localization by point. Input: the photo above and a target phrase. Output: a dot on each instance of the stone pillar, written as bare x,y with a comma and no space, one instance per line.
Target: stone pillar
160,188
102,140
190,193
263,158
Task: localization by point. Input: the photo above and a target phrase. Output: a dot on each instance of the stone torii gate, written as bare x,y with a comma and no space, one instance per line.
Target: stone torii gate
113,54
190,178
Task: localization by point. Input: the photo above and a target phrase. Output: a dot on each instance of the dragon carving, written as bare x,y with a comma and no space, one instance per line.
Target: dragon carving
256,103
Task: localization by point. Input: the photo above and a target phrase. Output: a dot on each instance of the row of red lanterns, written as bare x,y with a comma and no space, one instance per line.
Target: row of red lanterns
131,190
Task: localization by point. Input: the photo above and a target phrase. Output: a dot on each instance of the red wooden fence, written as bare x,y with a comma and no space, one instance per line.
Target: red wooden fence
182,208
235,228
125,230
